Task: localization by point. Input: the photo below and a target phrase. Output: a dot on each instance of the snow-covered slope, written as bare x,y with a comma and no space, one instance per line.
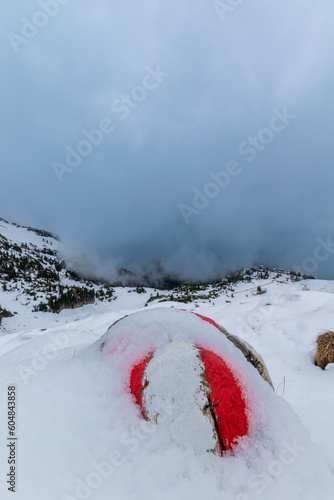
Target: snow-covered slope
36,279
80,436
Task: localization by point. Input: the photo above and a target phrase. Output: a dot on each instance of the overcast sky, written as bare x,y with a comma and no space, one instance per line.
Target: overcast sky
190,132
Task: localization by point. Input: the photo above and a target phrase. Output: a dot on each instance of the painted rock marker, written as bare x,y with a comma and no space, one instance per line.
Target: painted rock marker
195,392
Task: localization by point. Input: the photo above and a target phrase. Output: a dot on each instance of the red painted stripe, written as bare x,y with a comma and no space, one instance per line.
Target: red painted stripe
120,345
137,382
209,320
205,318
227,399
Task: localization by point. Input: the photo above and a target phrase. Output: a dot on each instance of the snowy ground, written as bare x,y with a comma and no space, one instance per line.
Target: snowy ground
78,438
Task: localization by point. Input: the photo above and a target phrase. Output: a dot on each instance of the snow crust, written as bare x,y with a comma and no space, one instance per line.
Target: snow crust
81,434
176,395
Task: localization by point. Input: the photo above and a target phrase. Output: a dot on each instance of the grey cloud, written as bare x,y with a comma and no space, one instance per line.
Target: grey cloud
120,205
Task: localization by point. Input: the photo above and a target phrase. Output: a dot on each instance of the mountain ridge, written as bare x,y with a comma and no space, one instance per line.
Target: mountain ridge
34,272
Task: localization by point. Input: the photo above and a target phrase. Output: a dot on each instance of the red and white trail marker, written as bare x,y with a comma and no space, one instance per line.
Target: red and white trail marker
193,390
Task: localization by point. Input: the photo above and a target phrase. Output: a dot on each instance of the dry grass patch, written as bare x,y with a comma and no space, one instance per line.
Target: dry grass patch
325,350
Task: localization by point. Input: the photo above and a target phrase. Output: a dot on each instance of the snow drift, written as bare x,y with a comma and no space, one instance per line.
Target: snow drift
82,435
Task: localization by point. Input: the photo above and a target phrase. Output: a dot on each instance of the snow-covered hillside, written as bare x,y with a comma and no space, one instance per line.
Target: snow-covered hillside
34,275
80,436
